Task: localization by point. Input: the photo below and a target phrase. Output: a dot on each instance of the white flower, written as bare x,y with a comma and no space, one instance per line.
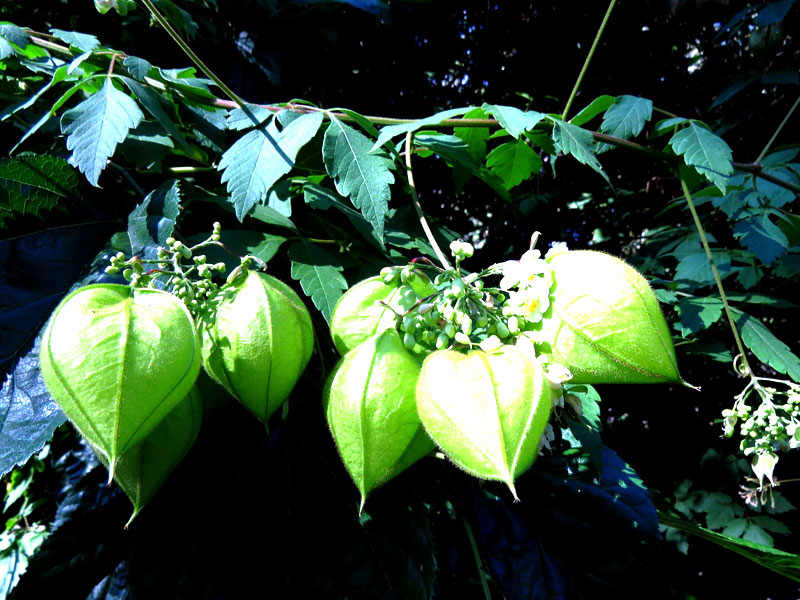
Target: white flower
556,248
530,302
523,271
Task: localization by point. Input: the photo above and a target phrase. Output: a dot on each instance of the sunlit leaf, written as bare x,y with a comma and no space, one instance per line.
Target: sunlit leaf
96,126
319,275
578,142
359,174
514,162
626,118
82,41
767,348
705,151
259,158
32,183
514,120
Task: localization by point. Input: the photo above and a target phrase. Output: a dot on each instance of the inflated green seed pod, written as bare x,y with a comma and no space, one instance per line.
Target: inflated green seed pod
371,410
357,316
118,360
485,410
143,468
606,324
257,342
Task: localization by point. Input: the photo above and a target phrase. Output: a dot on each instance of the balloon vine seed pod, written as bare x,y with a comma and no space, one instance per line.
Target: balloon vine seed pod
257,341
485,410
118,360
371,410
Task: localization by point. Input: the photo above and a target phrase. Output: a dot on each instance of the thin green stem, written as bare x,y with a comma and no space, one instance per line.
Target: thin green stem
415,199
777,132
588,60
745,366
478,562
191,54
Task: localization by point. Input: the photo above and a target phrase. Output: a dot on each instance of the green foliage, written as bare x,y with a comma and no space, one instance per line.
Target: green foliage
319,275
626,118
33,183
96,126
513,162
359,174
513,120
705,151
578,142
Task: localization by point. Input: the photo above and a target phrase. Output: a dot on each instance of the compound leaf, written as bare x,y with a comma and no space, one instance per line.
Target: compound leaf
96,126
319,275
705,151
359,174
259,158
578,142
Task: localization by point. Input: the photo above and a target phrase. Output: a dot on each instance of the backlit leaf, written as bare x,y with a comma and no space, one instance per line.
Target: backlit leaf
597,106
514,162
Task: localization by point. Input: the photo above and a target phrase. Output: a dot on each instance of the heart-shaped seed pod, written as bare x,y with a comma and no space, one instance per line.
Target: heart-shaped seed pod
257,341
118,360
606,324
142,469
371,410
485,410
358,316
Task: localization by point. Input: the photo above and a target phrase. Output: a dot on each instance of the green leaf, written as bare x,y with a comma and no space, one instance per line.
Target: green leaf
259,158
239,119
597,106
82,41
697,314
767,348
359,174
319,275
137,67
391,131
96,126
514,162
762,237
695,268
626,119
771,524
152,103
254,243
757,535
32,183
784,563
578,142
321,198
474,137
736,527
590,407
13,34
455,151
270,216
153,221
513,120
705,151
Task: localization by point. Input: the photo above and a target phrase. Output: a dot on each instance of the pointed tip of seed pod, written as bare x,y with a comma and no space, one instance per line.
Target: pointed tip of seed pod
685,383
136,510
361,506
510,484
112,467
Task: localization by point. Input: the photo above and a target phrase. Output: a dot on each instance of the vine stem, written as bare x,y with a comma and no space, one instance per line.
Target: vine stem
191,54
777,132
478,562
415,199
588,59
746,370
